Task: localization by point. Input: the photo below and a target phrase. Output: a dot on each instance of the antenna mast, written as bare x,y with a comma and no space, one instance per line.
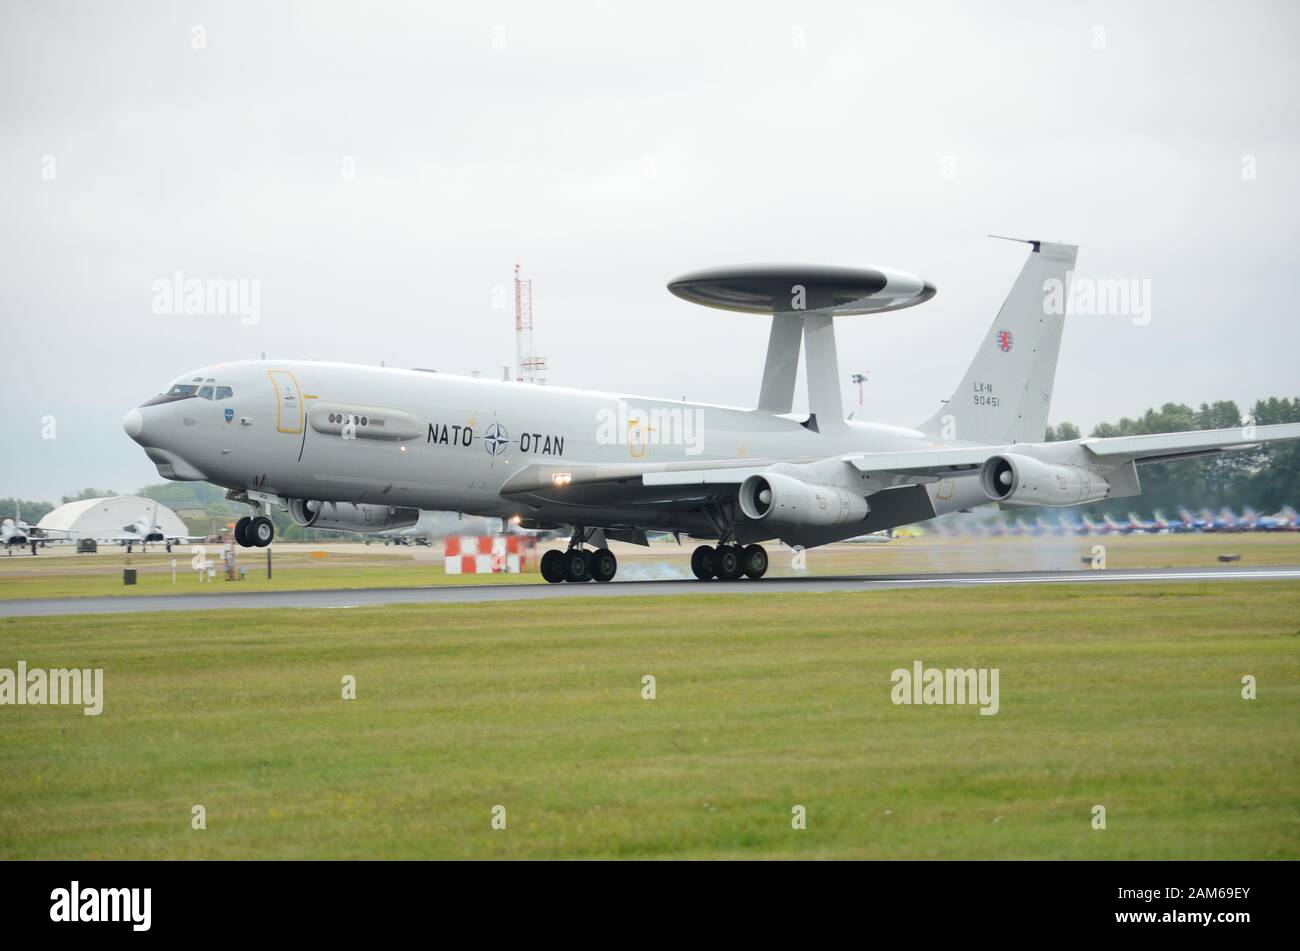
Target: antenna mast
529,367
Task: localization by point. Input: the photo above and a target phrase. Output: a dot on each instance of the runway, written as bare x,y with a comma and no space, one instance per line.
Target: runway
468,594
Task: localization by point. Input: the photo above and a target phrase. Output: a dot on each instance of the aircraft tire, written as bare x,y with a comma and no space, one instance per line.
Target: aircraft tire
552,569
703,562
603,565
729,561
754,559
577,565
261,531
241,532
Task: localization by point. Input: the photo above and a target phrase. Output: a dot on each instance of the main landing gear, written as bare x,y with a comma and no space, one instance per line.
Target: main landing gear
729,562
256,532
579,565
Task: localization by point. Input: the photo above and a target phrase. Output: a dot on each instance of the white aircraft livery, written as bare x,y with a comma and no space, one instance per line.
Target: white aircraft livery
360,448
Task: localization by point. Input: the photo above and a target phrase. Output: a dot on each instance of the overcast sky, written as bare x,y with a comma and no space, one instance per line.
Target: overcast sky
609,148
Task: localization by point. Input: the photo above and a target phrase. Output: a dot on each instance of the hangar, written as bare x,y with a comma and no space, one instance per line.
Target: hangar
118,518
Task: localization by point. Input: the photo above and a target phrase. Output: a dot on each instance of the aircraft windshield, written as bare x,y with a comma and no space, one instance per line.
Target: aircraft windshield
199,388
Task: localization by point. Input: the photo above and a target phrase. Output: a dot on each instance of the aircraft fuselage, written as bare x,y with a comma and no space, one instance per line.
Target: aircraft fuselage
427,440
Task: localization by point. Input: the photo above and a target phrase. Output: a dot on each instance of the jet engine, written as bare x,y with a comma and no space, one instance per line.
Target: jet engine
1014,479
785,500
351,517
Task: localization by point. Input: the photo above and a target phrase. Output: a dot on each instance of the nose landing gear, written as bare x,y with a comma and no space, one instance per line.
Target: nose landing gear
256,532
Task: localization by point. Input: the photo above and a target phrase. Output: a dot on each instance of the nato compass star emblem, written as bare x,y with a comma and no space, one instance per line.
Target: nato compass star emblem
230,414
496,440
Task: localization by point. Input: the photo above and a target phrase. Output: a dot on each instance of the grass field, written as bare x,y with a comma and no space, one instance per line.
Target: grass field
308,567
295,568
1127,696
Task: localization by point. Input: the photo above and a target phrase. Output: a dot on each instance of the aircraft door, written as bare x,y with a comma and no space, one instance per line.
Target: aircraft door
288,402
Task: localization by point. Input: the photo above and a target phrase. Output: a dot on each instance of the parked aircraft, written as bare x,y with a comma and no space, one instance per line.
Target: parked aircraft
364,448
1093,527
145,531
1141,526
16,533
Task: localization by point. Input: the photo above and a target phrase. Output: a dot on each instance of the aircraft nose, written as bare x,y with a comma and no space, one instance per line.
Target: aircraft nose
133,423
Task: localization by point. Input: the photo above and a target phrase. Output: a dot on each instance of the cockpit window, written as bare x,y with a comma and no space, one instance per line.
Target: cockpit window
198,388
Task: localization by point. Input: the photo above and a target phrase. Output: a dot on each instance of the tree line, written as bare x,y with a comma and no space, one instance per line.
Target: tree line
1264,479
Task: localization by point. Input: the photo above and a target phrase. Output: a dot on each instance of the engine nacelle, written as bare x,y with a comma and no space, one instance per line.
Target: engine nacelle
1021,480
351,517
785,500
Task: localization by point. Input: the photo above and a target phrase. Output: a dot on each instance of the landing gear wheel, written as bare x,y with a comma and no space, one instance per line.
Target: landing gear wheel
603,565
241,533
702,563
260,531
577,565
754,560
729,562
552,567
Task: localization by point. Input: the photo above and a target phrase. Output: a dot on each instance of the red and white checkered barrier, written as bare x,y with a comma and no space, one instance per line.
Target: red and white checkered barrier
483,554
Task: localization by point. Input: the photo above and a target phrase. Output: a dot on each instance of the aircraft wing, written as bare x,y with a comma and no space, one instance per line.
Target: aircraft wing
1111,451
1164,447
686,484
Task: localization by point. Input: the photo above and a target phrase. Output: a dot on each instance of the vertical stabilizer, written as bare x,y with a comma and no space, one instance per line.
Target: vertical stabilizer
1007,391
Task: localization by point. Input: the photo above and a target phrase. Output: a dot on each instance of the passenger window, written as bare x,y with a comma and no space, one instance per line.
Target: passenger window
224,392
205,392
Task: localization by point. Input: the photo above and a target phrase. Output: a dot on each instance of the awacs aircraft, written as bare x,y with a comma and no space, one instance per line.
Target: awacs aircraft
363,448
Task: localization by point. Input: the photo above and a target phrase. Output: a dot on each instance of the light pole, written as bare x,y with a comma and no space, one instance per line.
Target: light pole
859,379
